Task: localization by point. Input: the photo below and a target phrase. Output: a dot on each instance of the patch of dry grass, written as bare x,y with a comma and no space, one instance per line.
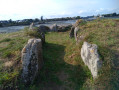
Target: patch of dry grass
11,45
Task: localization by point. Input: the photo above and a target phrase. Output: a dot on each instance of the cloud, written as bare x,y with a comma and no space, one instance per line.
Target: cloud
20,9
81,11
107,10
85,12
27,7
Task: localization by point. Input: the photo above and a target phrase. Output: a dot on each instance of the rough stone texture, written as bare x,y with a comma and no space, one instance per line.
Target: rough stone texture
32,60
74,29
78,22
71,34
42,37
77,28
91,58
54,28
31,26
75,33
43,29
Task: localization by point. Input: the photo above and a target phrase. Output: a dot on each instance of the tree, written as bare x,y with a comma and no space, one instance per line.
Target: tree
36,20
41,18
114,14
10,21
78,17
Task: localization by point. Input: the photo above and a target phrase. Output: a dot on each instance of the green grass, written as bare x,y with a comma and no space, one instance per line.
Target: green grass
63,67
11,45
5,40
61,71
105,34
32,33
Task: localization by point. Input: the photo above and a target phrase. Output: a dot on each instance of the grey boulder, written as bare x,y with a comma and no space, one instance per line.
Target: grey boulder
91,58
32,60
43,28
71,34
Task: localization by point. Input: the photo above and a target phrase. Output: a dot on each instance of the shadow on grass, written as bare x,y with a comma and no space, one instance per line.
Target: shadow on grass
109,75
115,70
48,78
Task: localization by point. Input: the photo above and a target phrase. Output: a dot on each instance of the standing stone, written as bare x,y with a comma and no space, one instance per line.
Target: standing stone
54,28
31,26
75,28
32,60
75,33
42,37
71,34
43,28
76,25
91,58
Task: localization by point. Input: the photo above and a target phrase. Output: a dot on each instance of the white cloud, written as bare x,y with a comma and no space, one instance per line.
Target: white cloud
82,11
29,8
19,9
106,10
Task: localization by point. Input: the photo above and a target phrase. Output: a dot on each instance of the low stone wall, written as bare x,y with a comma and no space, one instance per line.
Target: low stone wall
32,60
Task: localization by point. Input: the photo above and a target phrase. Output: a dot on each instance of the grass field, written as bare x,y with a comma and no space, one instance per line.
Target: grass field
63,67
105,33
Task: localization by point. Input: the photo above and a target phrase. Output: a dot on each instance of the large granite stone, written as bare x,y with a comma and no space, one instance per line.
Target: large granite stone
32,60
76,32
43,28
91,58
71,34
74,29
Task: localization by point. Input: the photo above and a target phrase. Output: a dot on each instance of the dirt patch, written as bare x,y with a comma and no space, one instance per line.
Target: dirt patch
8,63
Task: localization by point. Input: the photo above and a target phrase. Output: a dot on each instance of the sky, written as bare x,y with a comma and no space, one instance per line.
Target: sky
26,9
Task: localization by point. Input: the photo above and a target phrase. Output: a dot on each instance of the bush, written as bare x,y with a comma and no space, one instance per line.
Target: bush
33,33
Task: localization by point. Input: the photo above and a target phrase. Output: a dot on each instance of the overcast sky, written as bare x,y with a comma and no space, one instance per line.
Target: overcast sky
21,9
